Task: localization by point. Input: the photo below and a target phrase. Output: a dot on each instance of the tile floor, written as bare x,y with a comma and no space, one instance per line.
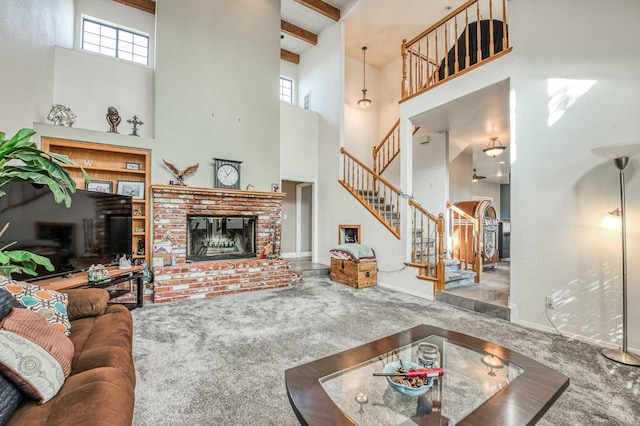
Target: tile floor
493,289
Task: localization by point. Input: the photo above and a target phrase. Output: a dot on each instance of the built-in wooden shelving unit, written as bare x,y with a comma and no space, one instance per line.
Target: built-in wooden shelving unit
112,164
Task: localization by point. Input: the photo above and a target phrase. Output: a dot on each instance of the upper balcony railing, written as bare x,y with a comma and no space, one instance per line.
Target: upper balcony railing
454,45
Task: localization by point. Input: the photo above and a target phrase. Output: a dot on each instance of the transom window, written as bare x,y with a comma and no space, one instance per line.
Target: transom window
116,42
286,89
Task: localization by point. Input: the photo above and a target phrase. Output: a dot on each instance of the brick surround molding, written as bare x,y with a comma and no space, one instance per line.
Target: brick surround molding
172,204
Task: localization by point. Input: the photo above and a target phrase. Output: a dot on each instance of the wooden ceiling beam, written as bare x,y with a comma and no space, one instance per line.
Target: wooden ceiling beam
323,8
289,56
297,32
144,5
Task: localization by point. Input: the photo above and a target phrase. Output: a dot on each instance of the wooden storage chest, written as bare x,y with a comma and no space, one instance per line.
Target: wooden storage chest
357,275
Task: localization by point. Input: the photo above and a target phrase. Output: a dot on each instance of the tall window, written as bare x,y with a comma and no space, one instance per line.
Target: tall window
116,42
286,90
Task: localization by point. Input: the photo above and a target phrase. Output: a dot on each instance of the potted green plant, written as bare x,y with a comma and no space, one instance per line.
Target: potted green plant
22,161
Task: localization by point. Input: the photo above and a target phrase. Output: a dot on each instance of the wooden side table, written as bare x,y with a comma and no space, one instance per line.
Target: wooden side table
81,280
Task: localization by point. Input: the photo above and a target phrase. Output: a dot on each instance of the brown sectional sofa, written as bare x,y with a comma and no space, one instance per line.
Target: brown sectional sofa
101,387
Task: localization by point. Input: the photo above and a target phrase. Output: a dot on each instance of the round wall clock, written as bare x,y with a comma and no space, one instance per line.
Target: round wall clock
227,173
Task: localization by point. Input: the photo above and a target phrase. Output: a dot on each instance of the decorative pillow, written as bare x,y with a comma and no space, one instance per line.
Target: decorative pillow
29,324
31,368
86,302
49,304
340,255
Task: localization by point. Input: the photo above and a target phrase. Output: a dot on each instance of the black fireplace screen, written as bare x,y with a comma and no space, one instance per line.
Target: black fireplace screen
220,237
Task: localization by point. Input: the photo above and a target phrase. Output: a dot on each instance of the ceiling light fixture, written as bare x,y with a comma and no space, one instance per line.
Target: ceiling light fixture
475,177
364,102
493,150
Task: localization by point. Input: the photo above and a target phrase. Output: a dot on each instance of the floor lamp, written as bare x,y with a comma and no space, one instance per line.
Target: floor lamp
620,155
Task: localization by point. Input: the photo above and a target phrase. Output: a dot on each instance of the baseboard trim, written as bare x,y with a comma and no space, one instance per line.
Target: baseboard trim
570,335
404,290
294,255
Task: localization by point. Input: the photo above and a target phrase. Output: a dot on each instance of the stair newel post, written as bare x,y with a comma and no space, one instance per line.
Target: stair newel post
479,241
344,165
413,234
403,85
375,159
440,264
398,213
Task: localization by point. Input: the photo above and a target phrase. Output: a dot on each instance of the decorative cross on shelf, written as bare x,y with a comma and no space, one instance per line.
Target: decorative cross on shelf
135,122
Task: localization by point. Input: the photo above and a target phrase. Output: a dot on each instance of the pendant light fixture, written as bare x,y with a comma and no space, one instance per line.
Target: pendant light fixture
493,150
364,102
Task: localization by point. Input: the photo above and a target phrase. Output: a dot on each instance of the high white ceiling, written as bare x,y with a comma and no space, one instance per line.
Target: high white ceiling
381,25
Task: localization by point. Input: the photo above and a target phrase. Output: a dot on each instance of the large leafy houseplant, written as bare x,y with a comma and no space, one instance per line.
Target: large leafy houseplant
22,161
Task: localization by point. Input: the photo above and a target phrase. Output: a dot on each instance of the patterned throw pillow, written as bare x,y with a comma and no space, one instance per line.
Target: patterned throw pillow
31,368
34,354
49,304
29,324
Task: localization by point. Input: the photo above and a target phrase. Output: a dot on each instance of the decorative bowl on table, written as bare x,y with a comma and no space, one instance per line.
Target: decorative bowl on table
404,389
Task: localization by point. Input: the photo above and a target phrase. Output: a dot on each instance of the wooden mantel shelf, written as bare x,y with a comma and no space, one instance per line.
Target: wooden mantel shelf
218,191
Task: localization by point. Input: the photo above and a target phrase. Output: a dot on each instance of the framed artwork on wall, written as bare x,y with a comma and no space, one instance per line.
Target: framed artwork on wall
134,189
349,234
100,186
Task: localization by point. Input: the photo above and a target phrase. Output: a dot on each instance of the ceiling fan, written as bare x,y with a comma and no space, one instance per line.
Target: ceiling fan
475,177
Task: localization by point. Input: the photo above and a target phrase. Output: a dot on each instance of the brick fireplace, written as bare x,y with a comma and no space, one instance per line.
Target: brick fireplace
189,279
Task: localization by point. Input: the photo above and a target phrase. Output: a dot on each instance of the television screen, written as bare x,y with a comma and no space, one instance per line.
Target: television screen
96,229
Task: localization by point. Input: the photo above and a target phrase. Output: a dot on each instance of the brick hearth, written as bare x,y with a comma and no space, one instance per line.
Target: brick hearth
172,204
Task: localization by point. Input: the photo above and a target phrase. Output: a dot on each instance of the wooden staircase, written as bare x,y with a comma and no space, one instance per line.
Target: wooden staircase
383,200
375,193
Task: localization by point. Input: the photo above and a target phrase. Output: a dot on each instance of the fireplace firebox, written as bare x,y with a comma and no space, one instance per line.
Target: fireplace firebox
220,237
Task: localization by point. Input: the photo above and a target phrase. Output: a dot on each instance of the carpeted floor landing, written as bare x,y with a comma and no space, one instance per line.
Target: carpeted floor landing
221,361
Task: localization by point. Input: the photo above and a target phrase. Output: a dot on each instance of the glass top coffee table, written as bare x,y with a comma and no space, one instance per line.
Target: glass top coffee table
483,383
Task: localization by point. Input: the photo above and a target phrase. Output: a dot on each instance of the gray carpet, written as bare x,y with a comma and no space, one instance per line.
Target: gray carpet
221,361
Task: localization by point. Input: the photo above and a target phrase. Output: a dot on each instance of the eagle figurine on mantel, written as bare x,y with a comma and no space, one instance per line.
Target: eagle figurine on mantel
181,174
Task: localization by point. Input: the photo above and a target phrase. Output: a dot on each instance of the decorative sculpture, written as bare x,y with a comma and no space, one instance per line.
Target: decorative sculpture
113,118
181,174
61,115
135,123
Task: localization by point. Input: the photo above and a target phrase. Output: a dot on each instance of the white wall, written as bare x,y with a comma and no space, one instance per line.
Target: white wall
321,73
288,241
29,29
217,73
560,191
298,144
460,183
431,173
389,89
89,84
361,124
